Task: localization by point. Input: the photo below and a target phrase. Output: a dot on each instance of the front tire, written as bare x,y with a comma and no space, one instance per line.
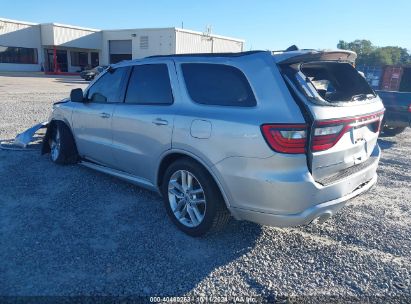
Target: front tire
62,147
192,199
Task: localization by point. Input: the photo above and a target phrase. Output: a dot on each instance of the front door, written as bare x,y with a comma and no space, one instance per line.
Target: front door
92,119
142,125
61,60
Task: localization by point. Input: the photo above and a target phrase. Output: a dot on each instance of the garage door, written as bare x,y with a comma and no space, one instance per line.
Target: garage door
119,50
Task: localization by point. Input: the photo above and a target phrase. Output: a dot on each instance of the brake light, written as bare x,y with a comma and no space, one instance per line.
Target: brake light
328,133
409,107
286,138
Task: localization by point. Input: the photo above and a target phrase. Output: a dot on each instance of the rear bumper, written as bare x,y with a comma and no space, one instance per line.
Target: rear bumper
321,211
281,192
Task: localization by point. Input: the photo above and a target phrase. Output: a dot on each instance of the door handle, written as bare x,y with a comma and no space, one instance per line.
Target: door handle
104,115
160,122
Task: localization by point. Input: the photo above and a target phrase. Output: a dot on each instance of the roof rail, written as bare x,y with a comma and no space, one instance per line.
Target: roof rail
238,54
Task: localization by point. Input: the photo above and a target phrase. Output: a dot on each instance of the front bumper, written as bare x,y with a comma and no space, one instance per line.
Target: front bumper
86,76
282,193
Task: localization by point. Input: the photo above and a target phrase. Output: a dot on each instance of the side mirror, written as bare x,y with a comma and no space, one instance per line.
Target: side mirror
76,95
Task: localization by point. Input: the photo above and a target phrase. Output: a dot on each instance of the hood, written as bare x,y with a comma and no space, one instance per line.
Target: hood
62,101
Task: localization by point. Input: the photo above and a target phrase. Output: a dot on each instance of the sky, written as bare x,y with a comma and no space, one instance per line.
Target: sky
264,24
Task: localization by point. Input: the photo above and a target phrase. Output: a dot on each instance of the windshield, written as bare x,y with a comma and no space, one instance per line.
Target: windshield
336,81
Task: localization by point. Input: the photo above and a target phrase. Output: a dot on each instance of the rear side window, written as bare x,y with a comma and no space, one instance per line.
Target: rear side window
149,84
107,88
217,84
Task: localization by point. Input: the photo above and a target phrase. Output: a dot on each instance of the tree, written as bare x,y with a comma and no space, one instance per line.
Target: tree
342,45
368,54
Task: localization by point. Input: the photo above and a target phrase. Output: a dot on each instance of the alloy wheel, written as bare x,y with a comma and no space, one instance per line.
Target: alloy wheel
55,145
187,199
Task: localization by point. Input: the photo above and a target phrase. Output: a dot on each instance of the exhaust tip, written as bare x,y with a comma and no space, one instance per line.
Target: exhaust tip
322,217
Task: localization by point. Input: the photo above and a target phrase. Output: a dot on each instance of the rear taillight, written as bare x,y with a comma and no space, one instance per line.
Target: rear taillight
326,136
327,133
286,138
409,107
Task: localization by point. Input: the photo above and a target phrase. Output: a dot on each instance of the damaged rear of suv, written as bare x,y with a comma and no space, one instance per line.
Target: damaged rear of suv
342,112
322,162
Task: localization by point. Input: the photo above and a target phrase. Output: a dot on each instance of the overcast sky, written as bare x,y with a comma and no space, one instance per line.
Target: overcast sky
263,24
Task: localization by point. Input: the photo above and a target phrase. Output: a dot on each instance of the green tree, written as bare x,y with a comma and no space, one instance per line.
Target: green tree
369,54
342,45
361,47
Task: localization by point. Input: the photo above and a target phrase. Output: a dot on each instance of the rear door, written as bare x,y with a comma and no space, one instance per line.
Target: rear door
92,119
143,124
343,112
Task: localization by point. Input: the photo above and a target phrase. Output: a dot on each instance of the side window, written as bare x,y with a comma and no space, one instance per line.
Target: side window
107,88
217,84
149,84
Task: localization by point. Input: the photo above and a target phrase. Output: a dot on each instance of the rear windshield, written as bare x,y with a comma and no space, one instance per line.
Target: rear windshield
336,81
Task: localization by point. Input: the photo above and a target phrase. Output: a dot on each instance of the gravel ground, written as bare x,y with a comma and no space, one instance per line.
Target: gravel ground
68,231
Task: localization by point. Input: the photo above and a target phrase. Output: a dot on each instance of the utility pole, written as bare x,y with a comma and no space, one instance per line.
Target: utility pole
207,35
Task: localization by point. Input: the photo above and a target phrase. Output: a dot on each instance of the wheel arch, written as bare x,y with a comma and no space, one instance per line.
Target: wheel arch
172,156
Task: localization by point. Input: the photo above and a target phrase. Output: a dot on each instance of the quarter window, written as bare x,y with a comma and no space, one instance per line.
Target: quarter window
108,87
149,84
217,84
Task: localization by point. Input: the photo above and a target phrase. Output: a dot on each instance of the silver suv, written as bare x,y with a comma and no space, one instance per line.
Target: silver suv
280,139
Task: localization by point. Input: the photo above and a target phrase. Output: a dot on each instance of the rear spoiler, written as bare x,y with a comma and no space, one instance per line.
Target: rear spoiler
312,55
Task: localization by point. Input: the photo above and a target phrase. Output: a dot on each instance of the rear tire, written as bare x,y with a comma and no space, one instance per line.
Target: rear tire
392,131
62,147
194,204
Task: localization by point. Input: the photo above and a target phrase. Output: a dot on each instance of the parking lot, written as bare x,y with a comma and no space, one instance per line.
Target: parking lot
68,230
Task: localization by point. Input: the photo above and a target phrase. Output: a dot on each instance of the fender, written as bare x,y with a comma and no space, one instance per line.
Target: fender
207,165
45,148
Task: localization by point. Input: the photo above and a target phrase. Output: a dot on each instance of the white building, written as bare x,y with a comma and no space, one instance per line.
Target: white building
53,47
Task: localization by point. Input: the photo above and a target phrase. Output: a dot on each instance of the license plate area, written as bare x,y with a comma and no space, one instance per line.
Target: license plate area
359,139
358,134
